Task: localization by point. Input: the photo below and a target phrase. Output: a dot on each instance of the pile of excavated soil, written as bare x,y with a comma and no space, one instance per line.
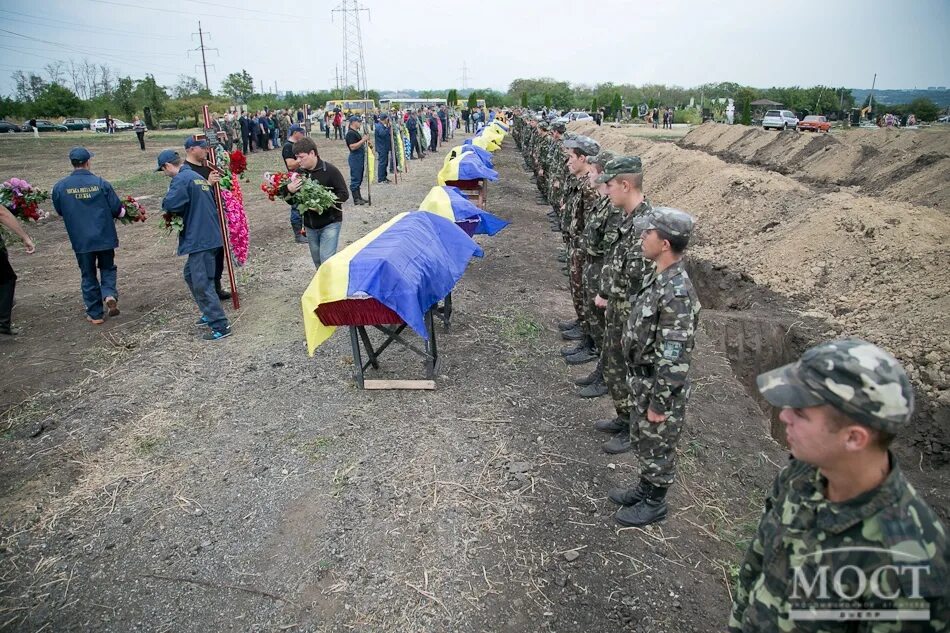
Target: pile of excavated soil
865,265
904,165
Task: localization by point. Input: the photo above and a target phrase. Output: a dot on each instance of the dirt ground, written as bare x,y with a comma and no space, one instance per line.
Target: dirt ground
154,482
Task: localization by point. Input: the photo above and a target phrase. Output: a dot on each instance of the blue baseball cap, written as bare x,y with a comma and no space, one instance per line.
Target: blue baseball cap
383,116
191,141
295,128
354,118
80,154
166,156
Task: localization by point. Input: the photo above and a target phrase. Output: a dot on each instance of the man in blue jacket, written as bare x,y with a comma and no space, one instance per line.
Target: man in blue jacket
383,147
89,206
190,196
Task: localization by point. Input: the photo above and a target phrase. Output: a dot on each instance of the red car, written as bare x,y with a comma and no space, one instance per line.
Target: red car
814,123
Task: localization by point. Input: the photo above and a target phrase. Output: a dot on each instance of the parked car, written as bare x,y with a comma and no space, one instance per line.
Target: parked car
46,126
814,123
77,124
99,125
6,126
780,120
575,116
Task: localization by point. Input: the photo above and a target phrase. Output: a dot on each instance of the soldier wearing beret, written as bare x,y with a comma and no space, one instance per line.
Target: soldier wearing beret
621,277
657,346
844,536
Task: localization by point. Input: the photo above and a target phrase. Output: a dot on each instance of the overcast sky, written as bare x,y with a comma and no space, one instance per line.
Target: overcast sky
296,45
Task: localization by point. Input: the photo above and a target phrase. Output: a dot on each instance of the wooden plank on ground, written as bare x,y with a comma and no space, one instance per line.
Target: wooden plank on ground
399,384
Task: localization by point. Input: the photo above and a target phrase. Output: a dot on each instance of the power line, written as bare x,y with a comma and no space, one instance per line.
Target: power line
203,48
44,21
216,16
354,64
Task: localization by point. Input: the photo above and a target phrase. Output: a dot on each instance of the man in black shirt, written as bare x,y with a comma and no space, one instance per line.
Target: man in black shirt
323,229
294,133
356,142
196,155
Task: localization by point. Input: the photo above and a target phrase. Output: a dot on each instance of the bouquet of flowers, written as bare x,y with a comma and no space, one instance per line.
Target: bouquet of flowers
172,222
312,196
233,201
133,211
23,199
238,162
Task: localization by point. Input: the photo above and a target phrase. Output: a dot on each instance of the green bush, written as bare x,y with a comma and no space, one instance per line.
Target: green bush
688,115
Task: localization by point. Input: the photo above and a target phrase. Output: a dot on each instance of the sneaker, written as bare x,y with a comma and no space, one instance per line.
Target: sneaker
95,321
203,322
223,294
9,330
217,335
300,239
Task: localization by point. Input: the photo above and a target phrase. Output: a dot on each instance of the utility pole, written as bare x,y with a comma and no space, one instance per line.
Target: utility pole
354,64
201,47
464,75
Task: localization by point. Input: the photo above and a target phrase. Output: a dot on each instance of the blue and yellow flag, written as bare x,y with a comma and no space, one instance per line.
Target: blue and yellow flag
467,146
466,166
450,203
407,264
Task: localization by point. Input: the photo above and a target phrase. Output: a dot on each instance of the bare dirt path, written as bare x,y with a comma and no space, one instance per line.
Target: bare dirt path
181,486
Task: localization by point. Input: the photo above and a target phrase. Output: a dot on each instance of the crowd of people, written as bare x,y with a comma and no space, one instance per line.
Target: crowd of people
842,503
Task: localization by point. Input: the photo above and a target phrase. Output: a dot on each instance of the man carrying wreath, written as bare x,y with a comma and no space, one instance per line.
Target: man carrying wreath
323,224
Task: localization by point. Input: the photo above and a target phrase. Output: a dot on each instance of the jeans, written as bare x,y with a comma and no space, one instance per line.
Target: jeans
323,242
337,132
382,162
434,141
468,126
327,131
7,287
296,221
97,286
141,136
199,275
357,161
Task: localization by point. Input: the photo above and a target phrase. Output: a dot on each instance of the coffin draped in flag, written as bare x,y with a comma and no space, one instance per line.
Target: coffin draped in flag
467,146
450,203
407,264
466,166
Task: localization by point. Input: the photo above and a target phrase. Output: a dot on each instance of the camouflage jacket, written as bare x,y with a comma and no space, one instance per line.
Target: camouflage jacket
570,204
660,334
803,540
624,266
601,225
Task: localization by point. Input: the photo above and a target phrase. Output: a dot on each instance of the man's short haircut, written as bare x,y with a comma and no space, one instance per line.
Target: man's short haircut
305,146
635,180
78,163
839,420
677,242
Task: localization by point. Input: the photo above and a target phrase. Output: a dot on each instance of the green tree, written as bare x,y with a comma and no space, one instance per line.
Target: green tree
188,86
593,104
924,109
56,100
452,97
472,100
743,101
124,96
151,95
524,99
616,105
238,86
547,100
28,85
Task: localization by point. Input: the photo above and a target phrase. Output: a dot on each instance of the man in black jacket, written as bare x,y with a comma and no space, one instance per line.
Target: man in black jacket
323,228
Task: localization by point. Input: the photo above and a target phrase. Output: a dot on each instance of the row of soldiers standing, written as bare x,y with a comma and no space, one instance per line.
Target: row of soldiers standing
842,504
636,308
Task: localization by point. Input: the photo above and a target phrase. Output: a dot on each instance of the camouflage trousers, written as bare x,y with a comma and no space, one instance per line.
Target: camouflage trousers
591,282
655,443
575,259
611,355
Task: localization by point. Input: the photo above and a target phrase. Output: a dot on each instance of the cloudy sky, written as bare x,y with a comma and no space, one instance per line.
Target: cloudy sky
297,45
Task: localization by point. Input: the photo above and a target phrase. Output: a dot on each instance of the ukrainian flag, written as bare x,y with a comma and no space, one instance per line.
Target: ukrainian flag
467,146
466,166
451,204
407,264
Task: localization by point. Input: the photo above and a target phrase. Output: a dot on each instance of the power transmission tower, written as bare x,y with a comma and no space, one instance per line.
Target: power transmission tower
464,76
354,64
201,47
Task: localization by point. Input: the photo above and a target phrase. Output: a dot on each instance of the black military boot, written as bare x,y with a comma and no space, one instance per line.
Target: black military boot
650,509
586,354
596,389
628,496
619,443
570,351
575,334
597,374
567,325
562,258
613,425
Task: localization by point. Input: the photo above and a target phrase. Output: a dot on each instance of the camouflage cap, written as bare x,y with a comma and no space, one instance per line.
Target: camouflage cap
585,144
671,222
558,126
856,377
621,165
544,125
602,158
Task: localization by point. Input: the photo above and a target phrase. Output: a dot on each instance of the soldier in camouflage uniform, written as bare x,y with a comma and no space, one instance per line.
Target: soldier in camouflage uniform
540,157
658,344
842,503
578,198
600,229
621,276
